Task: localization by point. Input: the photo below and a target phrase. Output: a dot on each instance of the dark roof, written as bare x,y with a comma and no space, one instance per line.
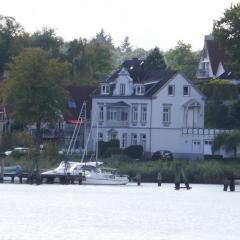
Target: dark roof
153,80
79,94
135,67
216,54
119,104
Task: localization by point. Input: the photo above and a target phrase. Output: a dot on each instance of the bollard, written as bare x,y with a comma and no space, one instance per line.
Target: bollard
225,185
232,185
1,179
20,179
12,180
80,178
159,179
177,185
138,178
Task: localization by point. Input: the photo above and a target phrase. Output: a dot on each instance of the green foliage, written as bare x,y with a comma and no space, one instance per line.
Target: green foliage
217,115
182,58
219,90
36,87
227,31
155,60
12,40
16,139
126,46
51,150
91,61
134,151
210,171
47,40
106,149
230,140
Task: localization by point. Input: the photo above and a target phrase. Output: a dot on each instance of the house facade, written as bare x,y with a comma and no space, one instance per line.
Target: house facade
159,110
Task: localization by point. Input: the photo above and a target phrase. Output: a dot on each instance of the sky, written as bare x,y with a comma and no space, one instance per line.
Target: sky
147,23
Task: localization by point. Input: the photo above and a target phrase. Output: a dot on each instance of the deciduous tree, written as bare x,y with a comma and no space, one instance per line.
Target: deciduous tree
36,88
227,31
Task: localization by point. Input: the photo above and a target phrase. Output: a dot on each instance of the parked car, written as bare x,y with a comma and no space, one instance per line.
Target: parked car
163,155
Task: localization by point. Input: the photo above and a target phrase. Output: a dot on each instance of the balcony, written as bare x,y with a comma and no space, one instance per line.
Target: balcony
202,73
111,123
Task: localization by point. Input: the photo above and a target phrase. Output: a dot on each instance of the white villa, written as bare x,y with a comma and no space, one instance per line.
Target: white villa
159,110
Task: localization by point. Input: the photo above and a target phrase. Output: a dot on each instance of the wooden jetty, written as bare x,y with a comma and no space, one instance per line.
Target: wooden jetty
46,178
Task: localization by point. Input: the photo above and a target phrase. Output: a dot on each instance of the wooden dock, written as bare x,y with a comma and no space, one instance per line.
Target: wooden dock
45,178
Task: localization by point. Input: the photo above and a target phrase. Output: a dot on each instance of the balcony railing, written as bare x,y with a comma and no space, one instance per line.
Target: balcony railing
111,123
203,131
203,73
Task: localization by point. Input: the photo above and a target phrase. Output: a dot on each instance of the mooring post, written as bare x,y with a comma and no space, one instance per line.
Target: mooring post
177,177
232,185
138,178
2,172
80,178
225,185
159,179
20,178
185,180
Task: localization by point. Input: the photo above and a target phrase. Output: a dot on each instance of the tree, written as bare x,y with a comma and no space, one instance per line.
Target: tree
227,31
217,115
155,60
219,90
91,61
48,41
104,38
182,58
36,88
126,46
12,40
229,140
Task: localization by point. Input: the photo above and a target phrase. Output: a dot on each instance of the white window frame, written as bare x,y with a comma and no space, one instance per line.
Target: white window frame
100,136
166,114
134,139
139,89
173,90
196,146
143,113
101,113
143,140
105,89
188,93
122,89
134,112
124,140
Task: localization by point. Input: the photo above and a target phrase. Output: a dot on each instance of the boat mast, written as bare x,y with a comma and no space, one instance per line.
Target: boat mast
97,146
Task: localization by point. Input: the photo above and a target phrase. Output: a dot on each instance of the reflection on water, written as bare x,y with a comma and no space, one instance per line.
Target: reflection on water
52,212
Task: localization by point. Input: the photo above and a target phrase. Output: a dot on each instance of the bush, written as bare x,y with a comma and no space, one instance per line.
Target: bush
106,149
134,151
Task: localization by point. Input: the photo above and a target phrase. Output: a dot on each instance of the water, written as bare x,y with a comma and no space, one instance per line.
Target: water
58,212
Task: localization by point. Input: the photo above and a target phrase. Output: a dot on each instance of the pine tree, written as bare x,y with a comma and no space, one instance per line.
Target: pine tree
155,60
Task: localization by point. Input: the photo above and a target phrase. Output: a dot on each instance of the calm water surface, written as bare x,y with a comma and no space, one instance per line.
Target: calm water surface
58,212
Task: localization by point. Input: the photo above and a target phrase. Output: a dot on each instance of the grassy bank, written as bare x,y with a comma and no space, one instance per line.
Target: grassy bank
206,171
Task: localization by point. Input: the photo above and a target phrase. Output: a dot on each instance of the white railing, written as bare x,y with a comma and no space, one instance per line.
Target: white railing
203,131
117,123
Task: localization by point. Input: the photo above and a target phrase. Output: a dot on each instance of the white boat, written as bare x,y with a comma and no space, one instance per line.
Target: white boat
104,176
93,173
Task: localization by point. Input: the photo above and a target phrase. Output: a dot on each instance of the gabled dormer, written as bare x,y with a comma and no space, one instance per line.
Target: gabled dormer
105,89
212,60
139,89
123,84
